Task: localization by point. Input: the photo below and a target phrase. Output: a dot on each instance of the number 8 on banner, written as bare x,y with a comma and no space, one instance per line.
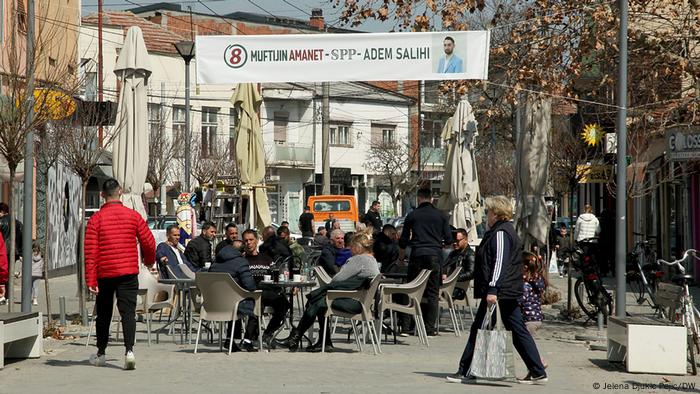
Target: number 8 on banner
235,56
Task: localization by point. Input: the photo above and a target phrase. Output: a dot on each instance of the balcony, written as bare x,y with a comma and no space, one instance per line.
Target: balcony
292,155
432,156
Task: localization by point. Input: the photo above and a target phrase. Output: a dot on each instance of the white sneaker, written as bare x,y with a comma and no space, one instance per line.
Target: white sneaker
3,300
129,361
98,361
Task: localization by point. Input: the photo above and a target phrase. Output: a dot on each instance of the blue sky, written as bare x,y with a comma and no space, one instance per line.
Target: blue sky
290,8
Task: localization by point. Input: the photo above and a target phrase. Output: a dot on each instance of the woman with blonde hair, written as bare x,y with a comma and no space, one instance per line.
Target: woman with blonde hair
498,279
353,275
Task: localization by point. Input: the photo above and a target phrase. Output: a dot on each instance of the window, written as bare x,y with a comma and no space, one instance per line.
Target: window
281,119
432,134
178,125
91,86
383,134
209,124
388,136
21,16
340,135
232,124
331,206
155,124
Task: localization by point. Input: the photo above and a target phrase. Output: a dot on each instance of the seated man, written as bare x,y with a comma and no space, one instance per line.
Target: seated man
273,246
273,296
231,234
168,255
199,250
330,252
462,256
321,237
386,246
298,252
230,260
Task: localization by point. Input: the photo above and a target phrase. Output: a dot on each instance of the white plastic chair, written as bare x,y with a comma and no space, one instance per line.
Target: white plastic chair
221,297
414,291
446,301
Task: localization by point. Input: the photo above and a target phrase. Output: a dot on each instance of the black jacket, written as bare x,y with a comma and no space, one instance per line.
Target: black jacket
373,219
198,251
275,248
498,268
460,258
232,262
327,260
385,250
425,230
224,243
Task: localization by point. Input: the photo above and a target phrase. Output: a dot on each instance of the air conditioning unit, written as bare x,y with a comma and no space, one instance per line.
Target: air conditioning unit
370,182
274,178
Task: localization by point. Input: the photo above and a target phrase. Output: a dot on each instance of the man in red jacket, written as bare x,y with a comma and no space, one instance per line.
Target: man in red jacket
3,270
112,266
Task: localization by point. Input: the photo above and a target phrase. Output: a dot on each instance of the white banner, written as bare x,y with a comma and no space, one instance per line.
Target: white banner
342,57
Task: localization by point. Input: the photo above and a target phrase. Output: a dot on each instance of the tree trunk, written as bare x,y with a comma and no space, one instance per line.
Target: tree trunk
47,290
81,263
11,251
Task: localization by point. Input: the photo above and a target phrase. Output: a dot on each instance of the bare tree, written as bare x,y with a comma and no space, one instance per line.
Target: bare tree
394,164
81,152
48,154
53,80
209,160
495,164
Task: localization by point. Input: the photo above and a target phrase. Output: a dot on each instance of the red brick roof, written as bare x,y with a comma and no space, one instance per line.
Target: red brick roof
563,107
157,38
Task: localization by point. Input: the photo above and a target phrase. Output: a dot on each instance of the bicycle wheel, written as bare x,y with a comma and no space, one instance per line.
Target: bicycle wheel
583,299
636,286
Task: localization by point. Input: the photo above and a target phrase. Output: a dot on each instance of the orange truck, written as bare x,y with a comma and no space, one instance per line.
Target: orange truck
343,209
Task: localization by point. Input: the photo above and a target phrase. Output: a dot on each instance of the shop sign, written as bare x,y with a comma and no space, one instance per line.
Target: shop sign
682,146
594,173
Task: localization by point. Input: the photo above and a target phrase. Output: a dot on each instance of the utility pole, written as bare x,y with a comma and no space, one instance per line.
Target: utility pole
419,132
325,137
99,65
28,168
621,200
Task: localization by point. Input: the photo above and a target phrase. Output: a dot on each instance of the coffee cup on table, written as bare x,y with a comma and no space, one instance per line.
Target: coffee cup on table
267,278
296,278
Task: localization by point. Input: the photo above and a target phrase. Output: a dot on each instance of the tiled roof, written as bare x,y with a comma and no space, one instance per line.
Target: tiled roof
157,38
563,107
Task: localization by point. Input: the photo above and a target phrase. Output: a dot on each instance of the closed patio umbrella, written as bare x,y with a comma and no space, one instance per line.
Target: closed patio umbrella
532,163
460,185
130,147
250,154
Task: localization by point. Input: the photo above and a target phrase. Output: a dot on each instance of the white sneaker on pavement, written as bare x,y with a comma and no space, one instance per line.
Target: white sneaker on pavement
129,361
98,360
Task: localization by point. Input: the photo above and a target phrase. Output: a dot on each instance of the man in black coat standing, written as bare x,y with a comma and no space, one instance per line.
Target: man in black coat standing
426,230
498,279
372,217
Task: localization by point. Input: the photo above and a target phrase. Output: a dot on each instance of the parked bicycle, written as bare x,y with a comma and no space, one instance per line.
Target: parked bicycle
644,272
688,313
590,294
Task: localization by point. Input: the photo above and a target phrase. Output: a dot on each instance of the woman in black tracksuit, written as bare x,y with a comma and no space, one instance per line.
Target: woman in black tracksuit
498,278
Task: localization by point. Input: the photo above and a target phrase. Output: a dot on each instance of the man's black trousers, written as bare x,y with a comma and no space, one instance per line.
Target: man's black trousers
126,288
431,296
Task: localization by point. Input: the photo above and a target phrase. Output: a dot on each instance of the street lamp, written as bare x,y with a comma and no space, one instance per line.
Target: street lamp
186,51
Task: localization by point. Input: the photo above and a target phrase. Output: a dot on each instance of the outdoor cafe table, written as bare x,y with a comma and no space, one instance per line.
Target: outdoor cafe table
184,305
291,285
